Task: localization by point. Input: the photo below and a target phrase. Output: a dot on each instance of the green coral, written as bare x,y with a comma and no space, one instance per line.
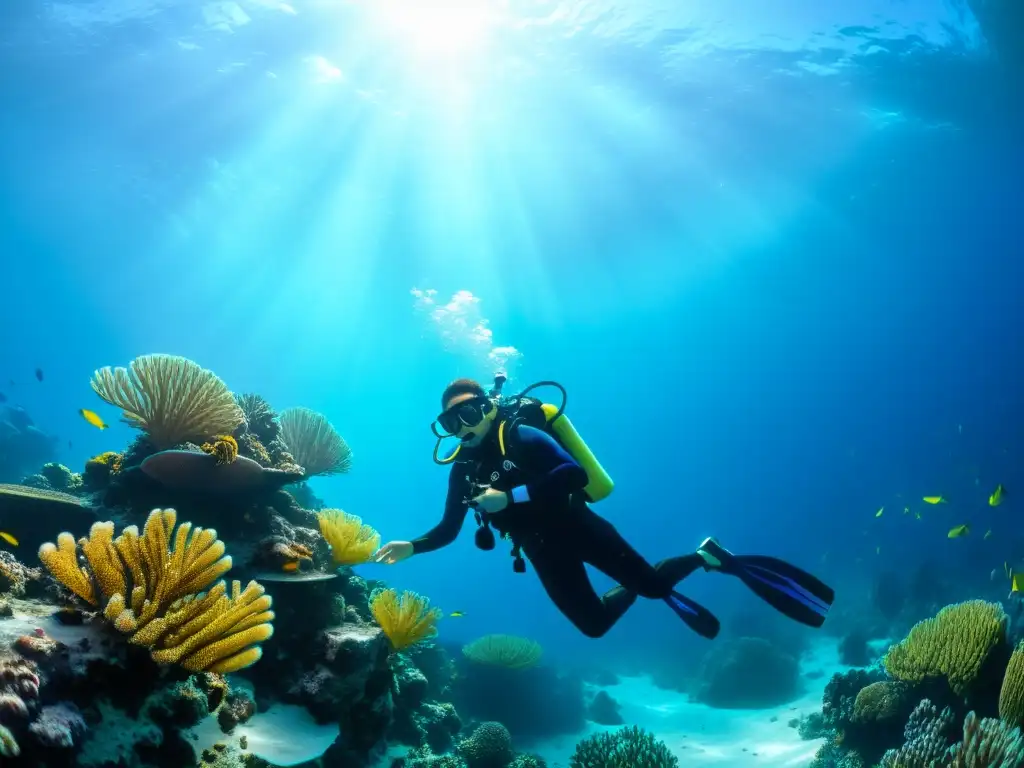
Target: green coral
1011,695
878,701
953,645
506,651
630,747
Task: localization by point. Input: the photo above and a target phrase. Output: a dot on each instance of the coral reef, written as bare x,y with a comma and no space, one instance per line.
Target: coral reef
771,675
162,596
532,701
351,541
954,645
506,651
489,746
626,748
314,442
171,399
405,618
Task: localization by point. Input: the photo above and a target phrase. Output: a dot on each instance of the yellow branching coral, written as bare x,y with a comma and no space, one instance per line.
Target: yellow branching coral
954,644
170,398
224,447
406,619
151,587
314,442
351,541
1011,696
506,651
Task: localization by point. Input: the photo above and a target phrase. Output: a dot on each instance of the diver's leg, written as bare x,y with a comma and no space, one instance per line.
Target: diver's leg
564,577
605,548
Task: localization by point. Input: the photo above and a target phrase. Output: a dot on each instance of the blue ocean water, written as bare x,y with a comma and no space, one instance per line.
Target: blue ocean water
773,252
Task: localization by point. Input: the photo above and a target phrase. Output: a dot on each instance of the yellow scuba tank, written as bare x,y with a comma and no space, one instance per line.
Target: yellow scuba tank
552,419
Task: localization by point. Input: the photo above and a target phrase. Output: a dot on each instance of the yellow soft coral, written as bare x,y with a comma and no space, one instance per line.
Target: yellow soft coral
151,587
350,540
405,619
224,447
506,651
1011,696
954,644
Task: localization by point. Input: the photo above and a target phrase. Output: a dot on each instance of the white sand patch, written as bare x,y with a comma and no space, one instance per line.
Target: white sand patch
724,738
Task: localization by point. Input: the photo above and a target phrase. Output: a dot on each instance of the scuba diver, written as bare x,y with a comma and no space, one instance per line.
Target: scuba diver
525,472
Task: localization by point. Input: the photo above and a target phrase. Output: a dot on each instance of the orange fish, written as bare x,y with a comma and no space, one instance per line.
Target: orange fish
290,567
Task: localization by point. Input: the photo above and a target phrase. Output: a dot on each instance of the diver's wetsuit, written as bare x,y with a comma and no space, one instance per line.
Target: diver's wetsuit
548,517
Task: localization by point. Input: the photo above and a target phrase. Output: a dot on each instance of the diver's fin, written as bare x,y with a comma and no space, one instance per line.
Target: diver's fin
788,589
697,617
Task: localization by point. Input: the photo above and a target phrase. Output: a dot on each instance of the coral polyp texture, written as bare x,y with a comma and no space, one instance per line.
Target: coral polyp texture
351,541
506,651
171,399
405,618
953,645
158,587
314,442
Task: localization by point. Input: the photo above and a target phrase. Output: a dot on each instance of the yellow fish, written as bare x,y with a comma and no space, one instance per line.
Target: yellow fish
92,417
934,499
879,512
1016,581
997,496
988,533
8,538
960,530
290,567
456,615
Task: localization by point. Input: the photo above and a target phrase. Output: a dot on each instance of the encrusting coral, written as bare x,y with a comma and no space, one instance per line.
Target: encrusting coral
953,645
314,442
351,541
506,651
406,619
170,398
155,592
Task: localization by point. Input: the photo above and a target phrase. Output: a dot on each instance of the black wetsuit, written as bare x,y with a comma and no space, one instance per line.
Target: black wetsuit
558,532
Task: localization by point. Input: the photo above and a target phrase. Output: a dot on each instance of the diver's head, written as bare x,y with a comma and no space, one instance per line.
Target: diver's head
467,412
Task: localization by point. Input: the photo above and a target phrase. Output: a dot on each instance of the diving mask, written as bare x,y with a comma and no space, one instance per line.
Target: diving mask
468,413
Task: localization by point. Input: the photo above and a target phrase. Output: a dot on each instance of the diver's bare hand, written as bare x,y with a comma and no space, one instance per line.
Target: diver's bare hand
393,552
490,501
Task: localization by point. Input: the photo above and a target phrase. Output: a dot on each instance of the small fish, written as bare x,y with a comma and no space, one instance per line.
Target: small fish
934,499
1016,581
290,567
92,417
997,496
880,511
1007,570
960,429
456,615
988,533
70,444
906,510
917,515
958,531
39,374
8,538
878,550
3,397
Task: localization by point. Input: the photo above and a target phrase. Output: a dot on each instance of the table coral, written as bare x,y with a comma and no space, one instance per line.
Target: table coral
154,591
